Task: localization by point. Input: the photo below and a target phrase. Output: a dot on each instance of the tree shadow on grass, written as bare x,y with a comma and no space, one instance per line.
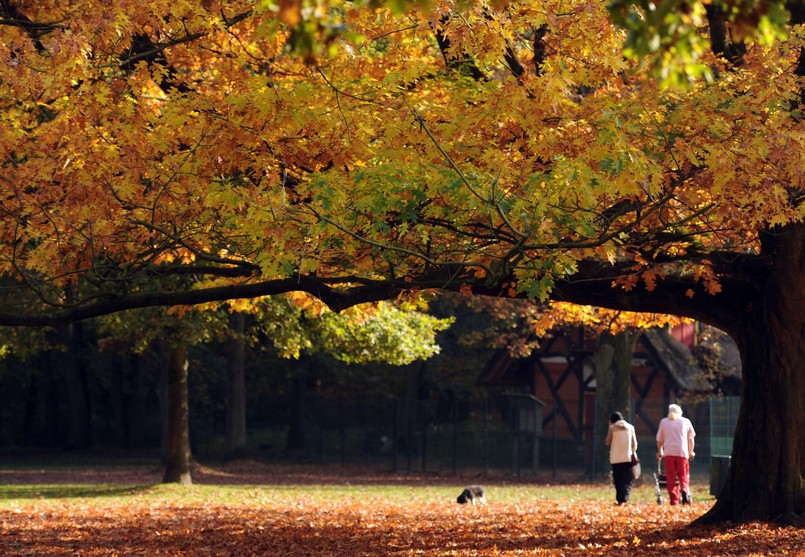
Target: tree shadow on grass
67,491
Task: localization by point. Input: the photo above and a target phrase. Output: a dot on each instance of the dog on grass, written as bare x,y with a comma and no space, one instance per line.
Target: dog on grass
472,494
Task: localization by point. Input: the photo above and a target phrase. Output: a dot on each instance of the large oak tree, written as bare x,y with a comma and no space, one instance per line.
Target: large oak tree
355,153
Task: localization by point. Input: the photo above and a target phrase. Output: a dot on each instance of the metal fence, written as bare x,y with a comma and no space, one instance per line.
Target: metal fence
501,434
723,417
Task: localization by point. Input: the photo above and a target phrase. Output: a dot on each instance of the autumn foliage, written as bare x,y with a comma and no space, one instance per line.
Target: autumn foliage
494,146
333,513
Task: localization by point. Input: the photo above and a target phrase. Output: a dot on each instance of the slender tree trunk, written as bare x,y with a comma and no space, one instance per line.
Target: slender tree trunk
766,479
135,416
408,440
119,395
236,404
163,351
296,425
613,373
129,390
42,425
177,469
78,413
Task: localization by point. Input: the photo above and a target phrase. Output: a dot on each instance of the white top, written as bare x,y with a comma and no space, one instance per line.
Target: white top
622,442
675,435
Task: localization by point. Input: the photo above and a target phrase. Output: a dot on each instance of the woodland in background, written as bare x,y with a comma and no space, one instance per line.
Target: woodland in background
102,394
106,394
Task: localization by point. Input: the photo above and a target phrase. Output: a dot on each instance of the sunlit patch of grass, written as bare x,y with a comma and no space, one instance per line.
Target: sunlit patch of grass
325,494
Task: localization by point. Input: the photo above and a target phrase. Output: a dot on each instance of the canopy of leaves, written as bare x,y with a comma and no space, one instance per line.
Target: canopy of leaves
496,147
363,334
519,325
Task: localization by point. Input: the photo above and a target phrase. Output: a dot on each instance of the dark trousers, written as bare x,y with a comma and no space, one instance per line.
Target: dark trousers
622,478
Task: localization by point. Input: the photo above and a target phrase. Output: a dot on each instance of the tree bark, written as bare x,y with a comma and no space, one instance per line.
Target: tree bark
42,426
130,392
296,422
177,469
236,404
761,306
79,428
613,373
119,395
163,354
766,479
135,415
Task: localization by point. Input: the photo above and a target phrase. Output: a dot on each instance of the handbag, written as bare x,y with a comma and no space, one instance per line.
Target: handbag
635,466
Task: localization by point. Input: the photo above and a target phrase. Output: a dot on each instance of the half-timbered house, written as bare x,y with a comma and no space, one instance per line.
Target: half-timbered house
561,375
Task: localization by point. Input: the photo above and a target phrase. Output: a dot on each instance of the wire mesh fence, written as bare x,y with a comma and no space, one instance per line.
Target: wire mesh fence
723,417
511,434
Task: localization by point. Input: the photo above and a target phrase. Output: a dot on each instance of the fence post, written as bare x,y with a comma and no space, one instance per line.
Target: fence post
395,435
367,437
454,413
486,437
516,443
320,413
594,460
555,445
410,420
425,409
342,431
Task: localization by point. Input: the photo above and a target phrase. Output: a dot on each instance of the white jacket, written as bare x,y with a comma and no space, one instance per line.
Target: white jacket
622,442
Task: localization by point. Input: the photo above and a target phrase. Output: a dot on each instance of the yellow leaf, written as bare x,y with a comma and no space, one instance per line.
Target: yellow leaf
290,12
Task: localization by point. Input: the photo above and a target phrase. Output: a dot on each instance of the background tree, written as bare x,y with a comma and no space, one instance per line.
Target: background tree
612,361
172,333
236,385
300,327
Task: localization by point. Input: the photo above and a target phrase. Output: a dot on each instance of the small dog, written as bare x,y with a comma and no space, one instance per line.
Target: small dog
472,494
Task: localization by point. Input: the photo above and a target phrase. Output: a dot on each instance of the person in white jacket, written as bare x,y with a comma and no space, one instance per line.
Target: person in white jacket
622,443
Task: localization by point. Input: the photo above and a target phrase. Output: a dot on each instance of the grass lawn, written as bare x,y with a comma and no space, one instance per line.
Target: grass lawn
255,509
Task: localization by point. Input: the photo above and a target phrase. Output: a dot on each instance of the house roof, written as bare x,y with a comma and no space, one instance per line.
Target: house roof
673,358
676,361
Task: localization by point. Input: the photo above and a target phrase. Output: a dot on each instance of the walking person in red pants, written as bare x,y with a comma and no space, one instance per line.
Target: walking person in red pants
675,443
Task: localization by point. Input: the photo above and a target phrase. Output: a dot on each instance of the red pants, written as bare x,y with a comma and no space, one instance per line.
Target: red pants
677,468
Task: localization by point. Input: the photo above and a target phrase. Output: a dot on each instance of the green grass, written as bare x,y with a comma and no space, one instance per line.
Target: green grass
15,495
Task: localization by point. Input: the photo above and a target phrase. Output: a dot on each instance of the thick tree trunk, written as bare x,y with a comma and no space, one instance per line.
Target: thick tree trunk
766,480
613,373
177,469
762,307
236,404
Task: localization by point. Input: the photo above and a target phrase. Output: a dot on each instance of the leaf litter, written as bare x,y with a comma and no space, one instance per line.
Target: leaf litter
350,522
